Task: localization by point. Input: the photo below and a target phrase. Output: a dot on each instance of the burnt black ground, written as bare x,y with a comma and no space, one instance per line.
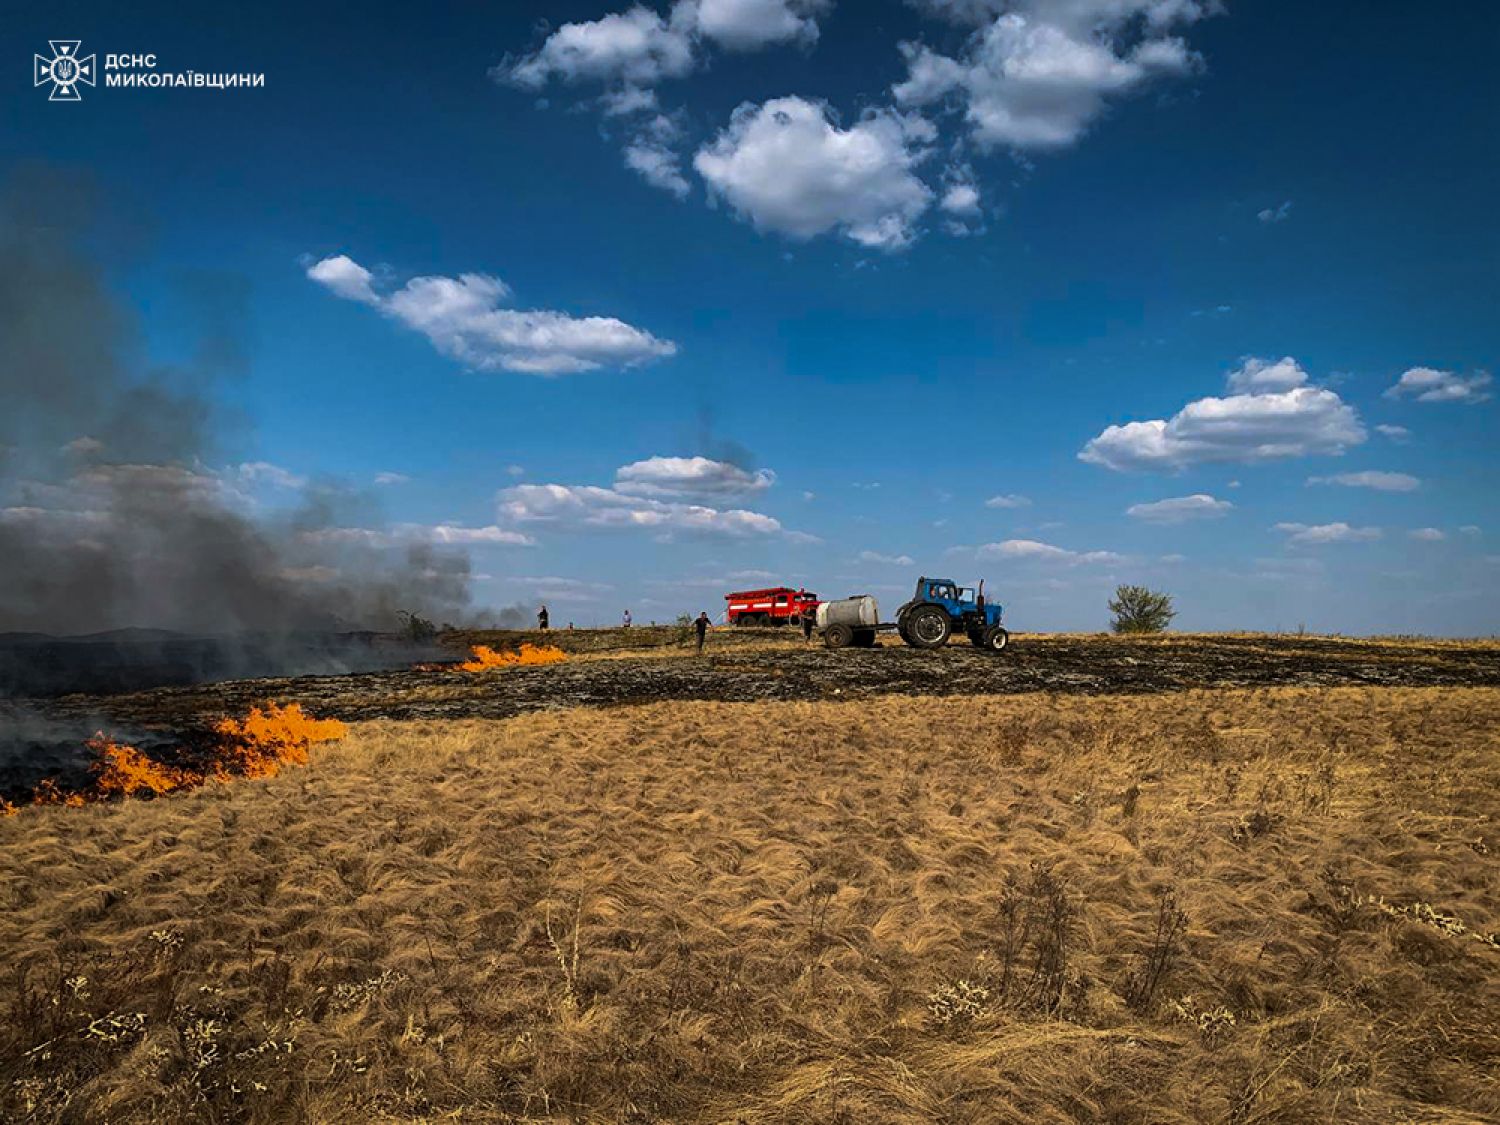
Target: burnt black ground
746,670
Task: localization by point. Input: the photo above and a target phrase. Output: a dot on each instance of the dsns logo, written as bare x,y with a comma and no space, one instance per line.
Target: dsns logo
65,70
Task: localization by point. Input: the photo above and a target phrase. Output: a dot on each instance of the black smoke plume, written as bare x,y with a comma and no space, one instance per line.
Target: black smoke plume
116,509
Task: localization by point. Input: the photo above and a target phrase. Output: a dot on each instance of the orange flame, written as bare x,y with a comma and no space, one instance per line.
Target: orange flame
486,658
263,741
124,771
258,745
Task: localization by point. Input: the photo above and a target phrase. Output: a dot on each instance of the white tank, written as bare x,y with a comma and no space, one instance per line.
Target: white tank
857,613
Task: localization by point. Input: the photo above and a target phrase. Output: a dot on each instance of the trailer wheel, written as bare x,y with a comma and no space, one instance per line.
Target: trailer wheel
996,638
838,636
928,626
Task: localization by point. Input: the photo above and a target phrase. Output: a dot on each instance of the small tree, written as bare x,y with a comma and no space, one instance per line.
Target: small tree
417,629
1139,610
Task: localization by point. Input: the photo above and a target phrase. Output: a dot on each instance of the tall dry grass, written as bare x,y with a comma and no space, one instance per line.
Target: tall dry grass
1214,906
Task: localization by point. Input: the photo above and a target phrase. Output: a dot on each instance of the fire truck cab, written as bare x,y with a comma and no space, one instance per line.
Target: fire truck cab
777,605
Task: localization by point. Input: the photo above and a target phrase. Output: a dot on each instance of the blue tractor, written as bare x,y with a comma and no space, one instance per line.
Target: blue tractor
941,607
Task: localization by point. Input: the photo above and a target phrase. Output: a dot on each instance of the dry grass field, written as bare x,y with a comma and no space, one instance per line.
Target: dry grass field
1226,905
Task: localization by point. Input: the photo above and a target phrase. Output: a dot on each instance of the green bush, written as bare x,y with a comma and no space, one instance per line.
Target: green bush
1139,610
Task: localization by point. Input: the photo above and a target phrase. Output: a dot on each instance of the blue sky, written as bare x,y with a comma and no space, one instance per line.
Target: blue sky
889,272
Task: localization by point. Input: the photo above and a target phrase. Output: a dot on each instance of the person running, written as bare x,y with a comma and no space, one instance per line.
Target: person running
542,619
701,625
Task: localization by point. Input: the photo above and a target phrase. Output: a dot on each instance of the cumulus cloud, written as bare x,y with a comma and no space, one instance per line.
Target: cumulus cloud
690,477
346,278
1265,376
1037,73
1271,413
388,478
1426,384
639,48
635,48
886,560
465,318
653,156
1427,534
1033,549
1372,478
573,506
1398,434
1007,500
1311,535
745,25
787,166
1180,509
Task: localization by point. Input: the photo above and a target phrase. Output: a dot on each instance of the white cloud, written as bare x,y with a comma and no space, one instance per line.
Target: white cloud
634,48
1264,376
263,472
1255,424
886,560
787,166
651,154
515,470
391,478
1372,478
1180,509
678,477
1314,534
1039,72
404,533
1427,534
1008,500
1471,530
590,506
1032,549
1275,214
464,318
1427,384
745,25
347,278
1398,434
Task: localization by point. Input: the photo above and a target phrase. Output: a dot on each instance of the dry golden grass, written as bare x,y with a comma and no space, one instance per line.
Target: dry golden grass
1031,908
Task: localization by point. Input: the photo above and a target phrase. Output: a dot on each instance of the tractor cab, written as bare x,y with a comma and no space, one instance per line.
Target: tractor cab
941,607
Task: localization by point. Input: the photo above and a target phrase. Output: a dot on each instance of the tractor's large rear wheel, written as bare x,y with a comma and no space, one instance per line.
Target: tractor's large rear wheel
927,627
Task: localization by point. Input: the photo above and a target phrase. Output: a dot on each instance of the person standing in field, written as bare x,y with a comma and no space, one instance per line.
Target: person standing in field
625,624
542,619
701,626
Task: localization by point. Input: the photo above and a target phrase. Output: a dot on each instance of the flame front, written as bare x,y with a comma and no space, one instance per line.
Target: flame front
258,745
485,658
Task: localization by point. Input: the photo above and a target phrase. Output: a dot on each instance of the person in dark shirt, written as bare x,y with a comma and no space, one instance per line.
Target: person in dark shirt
542,619
701,625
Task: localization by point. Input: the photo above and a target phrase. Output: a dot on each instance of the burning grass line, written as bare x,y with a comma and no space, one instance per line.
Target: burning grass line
259,745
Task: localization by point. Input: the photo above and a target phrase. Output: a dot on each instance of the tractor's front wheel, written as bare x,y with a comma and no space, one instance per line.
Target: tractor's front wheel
996,638
927,627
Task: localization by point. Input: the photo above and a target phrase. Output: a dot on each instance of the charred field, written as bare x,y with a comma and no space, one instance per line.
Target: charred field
617,667
1192,878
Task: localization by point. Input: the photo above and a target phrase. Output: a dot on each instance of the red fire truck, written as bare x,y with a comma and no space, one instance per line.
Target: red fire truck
779,605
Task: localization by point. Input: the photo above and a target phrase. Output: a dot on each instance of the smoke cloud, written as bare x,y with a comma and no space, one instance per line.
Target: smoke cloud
116,509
